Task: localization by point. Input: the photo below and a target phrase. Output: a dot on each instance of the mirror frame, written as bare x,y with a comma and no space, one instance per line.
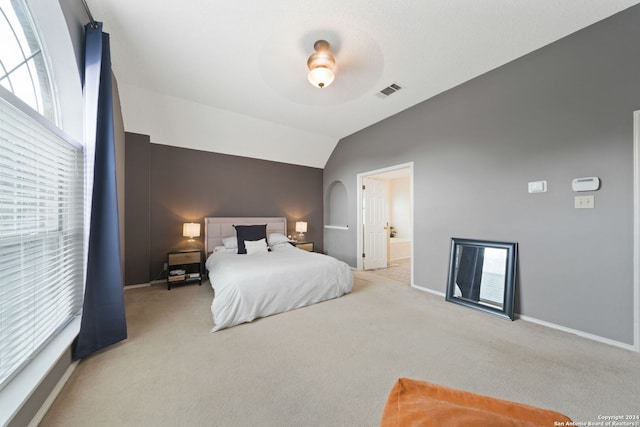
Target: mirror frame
510,276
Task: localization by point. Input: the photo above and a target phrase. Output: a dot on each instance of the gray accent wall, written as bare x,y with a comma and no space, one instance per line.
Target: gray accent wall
559,113
136,224
184,185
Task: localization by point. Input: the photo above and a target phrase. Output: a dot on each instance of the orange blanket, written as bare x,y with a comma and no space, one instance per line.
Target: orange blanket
419,403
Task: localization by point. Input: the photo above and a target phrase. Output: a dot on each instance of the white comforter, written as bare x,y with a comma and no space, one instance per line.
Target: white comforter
258,285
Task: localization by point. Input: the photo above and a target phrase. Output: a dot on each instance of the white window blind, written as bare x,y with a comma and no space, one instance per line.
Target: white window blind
41,236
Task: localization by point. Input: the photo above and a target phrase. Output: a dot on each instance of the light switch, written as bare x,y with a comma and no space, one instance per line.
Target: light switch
538,187
584,202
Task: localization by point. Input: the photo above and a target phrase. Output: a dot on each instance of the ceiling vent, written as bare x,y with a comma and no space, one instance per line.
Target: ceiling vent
391,89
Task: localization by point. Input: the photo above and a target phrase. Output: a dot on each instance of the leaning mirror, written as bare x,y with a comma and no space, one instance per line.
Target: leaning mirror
482,275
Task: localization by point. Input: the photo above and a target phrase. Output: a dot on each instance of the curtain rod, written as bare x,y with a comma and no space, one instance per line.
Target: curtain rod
94,25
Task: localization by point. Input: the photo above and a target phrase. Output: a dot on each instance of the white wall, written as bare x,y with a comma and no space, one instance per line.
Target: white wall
50,20
178,122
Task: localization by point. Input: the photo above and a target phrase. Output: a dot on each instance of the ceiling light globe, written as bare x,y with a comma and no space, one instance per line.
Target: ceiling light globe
320,77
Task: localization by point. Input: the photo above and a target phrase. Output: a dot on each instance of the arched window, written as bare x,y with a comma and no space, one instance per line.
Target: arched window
42,176
23,65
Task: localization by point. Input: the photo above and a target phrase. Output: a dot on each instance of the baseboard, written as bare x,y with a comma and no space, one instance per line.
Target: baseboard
145,285
38,417
582,334
431,291
140,285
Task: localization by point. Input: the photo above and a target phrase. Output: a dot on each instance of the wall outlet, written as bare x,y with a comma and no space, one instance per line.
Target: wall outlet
584,202
165,266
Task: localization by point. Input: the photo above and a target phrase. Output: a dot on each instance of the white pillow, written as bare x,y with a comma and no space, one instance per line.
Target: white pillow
230,242
275,238
259,246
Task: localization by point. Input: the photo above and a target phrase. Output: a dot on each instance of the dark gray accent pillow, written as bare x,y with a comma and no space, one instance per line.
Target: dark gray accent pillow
251,233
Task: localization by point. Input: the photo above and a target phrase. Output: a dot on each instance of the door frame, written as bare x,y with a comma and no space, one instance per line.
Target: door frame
636,231
359,231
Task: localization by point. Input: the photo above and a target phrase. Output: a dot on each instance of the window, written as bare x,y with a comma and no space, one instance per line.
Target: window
23,69
41,202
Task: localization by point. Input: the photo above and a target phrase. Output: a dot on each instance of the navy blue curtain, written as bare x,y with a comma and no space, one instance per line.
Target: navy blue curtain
103,315
470,272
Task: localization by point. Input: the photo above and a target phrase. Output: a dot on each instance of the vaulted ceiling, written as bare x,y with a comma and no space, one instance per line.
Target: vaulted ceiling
186,64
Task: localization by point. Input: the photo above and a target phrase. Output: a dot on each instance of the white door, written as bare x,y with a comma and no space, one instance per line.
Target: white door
375,223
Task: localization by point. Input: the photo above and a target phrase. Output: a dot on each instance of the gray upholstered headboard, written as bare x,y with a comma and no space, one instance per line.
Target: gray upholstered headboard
217,228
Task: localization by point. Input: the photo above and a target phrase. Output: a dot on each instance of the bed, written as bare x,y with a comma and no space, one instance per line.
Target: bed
272,277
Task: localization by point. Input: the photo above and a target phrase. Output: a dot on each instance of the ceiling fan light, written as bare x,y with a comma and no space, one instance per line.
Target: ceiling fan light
321,77
321,64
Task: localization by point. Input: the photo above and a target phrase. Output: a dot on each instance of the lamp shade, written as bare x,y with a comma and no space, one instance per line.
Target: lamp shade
321,65
191,230
301,227
321,77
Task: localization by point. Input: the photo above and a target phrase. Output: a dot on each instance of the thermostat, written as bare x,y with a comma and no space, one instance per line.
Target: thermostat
591,183
537,187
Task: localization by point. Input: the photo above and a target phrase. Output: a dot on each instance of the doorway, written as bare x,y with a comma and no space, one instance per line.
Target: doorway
386,209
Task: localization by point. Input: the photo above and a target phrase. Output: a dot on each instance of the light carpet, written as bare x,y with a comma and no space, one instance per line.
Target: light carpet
398,270
333,363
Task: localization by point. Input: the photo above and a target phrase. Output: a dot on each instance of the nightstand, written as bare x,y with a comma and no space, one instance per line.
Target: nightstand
305,246
184,267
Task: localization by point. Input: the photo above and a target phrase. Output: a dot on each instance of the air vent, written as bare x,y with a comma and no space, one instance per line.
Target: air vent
391,89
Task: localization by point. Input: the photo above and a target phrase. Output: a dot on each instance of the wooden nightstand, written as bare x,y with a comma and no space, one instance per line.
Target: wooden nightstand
305,246
184,267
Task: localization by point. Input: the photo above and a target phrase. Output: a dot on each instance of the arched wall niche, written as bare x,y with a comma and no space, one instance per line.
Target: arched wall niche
336,205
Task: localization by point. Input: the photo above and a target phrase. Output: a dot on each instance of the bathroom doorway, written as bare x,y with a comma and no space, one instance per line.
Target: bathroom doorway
398,232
